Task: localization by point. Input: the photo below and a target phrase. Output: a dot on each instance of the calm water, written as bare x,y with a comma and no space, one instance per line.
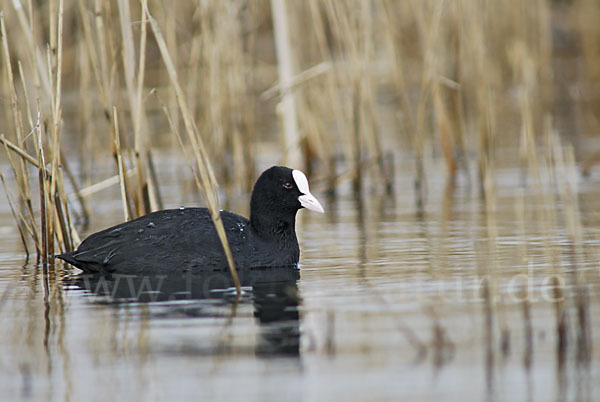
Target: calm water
389,304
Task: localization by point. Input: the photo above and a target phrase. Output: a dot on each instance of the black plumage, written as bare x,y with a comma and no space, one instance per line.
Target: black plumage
185,239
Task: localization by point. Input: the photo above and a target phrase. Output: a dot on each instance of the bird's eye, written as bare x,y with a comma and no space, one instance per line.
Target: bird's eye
288,185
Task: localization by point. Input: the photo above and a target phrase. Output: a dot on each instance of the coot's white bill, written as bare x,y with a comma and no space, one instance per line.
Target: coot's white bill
307,200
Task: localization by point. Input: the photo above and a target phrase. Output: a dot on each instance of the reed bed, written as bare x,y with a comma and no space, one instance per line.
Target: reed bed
340,87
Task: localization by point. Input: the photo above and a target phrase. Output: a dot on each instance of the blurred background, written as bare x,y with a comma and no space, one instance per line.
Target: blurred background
453,143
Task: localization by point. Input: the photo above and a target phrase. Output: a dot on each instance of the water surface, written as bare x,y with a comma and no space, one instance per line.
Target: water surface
453,302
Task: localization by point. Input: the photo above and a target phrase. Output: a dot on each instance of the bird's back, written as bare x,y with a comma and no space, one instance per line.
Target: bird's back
174,240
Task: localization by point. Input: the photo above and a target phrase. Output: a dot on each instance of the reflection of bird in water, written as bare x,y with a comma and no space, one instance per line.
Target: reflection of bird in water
276,307
274,294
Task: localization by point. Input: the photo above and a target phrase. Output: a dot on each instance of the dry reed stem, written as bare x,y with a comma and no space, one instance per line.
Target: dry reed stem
120,167
30,221
99,186
206,175
444,130
352,79
342,79
429,34
21,172
297,80
55,223
85,125
287,107
372,127
128,55
19,218
41,73
144,201
63,198
546,219
42,178
496,306
523,254
564,163
329,95
76,190
93,56
356,139
186,152
22,153
152,192
26,96
65,221
107,53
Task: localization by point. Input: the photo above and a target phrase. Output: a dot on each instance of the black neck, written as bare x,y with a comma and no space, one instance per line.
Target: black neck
271,226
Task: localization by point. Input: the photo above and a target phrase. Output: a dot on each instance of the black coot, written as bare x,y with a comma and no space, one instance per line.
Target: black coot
185,239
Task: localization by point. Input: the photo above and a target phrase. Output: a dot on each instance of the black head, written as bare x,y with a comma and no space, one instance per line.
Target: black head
279,193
